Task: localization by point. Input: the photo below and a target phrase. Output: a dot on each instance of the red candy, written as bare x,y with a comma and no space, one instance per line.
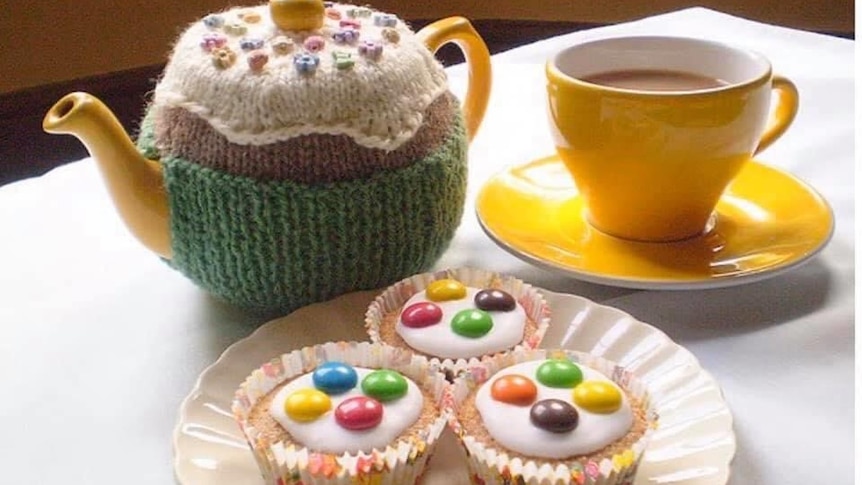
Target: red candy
358,413
420,315
514,389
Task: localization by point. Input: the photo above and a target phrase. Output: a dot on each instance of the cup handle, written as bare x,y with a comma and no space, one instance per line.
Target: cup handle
459,31
785,111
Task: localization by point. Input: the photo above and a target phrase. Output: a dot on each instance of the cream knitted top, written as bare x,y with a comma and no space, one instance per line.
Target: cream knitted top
363,74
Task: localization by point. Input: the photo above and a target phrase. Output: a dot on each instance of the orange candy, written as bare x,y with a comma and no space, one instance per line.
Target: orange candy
514,389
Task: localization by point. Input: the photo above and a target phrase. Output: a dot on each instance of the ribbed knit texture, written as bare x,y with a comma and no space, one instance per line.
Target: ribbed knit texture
314,158
282,245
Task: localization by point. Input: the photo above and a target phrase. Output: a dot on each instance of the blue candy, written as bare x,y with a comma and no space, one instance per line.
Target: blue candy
334,377
306,63
250,44
213,21
385,20
345,36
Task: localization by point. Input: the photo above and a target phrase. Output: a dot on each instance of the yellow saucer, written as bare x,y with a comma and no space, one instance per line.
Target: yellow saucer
767,222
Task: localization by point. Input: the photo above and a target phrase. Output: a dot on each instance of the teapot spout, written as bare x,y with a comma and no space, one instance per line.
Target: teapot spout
135,183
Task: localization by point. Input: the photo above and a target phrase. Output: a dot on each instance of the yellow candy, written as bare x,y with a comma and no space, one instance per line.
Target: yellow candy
307,405
445,290
598,397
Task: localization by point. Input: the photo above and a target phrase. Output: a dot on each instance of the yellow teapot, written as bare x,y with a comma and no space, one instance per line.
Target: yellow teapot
294,151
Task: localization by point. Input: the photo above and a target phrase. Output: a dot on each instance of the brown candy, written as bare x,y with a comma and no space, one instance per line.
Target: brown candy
492,300
554,415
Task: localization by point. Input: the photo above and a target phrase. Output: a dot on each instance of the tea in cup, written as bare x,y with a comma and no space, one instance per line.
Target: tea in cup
653,129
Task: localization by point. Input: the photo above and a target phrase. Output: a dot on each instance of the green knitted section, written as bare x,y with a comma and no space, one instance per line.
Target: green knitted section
283,245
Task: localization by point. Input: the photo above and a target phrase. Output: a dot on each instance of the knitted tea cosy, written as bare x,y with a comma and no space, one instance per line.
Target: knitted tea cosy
300,165
362,74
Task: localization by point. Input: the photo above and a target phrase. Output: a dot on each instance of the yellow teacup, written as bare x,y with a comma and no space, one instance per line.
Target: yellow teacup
652,129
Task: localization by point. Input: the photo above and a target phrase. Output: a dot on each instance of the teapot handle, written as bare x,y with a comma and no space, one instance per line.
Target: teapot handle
459,31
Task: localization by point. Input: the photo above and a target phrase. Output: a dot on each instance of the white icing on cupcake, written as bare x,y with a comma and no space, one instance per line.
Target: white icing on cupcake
326,435
440,341
510,424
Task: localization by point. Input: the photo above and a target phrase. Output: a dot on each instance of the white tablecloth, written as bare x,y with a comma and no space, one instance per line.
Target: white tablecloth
100,340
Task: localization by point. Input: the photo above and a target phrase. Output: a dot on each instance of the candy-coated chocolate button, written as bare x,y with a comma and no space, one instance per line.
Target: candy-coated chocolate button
554,415
423,314
358,413
559,373
334,377
446,290
384,385
493,300
307,404
598,397
472,323
514,389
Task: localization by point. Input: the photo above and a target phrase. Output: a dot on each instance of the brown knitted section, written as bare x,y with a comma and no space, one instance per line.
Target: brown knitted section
307,159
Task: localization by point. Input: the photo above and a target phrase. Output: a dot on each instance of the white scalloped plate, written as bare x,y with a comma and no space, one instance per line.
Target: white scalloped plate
693,445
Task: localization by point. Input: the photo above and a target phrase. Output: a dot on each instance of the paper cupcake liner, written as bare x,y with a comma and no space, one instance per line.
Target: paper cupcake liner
394,298
488,465
402,462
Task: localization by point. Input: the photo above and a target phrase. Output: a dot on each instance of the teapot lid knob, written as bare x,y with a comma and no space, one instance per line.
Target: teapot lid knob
297,14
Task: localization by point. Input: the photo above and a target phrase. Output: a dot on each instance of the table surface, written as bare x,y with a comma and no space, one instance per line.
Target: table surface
101,341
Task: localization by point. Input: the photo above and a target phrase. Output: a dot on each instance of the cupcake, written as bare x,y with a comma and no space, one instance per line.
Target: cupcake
458,316
342,413
550,417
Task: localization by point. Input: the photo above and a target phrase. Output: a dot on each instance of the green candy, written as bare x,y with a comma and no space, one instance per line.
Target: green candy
384,385
342,60
472,323
559,373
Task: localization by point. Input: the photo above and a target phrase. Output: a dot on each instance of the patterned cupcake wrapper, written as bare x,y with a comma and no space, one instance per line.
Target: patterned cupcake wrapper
488,465
529,297
292,464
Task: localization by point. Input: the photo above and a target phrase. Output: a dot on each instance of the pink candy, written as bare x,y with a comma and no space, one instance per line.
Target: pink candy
314,44
370,49
350,23
213,41
257,60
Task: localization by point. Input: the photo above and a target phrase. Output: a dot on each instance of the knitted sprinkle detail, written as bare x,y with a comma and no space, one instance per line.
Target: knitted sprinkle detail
364,75
278,246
